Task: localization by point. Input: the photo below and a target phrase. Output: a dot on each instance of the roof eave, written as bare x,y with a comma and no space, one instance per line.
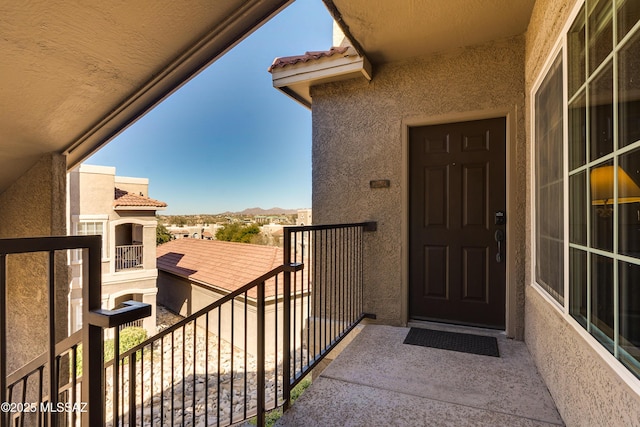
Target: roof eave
296,80
139,208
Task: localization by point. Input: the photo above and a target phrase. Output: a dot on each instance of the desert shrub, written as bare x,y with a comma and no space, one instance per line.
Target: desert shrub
129,338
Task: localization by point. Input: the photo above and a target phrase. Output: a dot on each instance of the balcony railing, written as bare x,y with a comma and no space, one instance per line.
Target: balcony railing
50,390
129,257
236,358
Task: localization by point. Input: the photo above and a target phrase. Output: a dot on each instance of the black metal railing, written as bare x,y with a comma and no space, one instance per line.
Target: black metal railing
334,275
50,389
219,366
27,402
236,358
230,360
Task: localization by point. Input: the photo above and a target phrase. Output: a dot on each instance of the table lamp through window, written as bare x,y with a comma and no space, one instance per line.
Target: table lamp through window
602,179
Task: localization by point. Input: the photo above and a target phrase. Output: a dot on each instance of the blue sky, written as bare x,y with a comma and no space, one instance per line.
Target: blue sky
228,140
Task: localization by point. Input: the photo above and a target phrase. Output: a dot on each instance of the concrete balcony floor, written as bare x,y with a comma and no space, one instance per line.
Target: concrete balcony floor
379,381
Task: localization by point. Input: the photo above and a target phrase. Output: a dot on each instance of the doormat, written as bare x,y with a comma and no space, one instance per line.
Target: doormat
466,343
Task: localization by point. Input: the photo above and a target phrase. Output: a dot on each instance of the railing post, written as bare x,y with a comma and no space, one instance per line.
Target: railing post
286,323
261,356
93,391
53,367
4,416
132,386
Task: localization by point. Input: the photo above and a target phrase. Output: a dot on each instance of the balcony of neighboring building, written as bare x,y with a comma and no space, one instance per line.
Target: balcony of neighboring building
129,253
129,257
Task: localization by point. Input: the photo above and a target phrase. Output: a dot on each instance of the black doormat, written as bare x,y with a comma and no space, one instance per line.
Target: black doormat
466,343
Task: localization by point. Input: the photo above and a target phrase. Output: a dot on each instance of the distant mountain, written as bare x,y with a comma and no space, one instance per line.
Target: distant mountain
272,211
246,212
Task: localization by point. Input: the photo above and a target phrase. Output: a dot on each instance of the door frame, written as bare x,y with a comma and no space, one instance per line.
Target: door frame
512,311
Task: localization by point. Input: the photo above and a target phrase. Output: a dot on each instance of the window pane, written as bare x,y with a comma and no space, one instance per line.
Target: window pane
577,132
628,15
578,285
600,32
629,92
601,192
602,300
578,208
629,339
601,113
91,228
576,53
549,183
629,204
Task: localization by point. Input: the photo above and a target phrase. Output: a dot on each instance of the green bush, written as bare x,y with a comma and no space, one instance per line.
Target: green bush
274,415
129,338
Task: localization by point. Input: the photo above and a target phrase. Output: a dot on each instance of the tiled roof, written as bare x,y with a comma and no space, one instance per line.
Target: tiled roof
308,56
221,264
124,198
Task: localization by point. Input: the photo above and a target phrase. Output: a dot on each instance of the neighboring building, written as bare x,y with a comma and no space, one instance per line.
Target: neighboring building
304,217
199,231
118,209
179,233
187,284
486,139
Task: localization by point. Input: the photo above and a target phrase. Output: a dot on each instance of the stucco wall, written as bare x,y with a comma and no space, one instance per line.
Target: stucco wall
96,191
34,205
586,389
358,132
185,298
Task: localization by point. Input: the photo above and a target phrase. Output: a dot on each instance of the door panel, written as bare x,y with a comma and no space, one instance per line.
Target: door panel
457,183
436,201
475,184
435,271
474,274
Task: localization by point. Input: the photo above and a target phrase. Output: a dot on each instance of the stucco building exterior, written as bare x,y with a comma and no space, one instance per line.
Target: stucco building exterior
186,285
118,209
396,139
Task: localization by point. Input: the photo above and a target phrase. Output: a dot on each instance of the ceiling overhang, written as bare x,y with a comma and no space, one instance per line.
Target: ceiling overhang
382,31
387,31
74,76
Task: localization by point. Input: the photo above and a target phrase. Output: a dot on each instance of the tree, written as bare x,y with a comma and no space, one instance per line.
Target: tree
237,233
162,234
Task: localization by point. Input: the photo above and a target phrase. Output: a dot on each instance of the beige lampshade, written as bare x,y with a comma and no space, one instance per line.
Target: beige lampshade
602,186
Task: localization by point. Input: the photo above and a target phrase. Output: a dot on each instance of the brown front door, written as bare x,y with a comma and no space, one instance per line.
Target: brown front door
457,185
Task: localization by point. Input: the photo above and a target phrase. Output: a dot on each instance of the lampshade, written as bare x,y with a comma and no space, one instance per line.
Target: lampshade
602,186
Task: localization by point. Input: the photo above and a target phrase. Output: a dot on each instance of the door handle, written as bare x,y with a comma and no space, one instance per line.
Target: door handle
499,236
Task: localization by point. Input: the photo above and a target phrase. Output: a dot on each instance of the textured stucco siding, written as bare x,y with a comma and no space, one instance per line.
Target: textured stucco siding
184,297
358,130
586,389
34,206
96,193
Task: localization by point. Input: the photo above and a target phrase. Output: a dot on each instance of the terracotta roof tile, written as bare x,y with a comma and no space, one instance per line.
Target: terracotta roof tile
308,56
124,198
225,265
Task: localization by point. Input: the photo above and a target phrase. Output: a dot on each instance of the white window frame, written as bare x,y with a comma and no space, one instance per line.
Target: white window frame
561,45
104,220
558,50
